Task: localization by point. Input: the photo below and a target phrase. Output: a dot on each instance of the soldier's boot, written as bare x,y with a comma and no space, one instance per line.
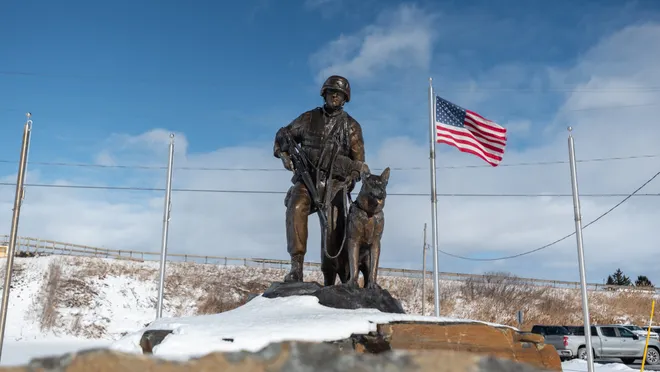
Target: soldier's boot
296,273
297,212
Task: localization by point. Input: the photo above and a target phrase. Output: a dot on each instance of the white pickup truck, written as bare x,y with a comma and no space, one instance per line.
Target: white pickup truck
561,338
611,341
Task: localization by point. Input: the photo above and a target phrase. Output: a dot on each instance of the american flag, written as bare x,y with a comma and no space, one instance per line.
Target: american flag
469,132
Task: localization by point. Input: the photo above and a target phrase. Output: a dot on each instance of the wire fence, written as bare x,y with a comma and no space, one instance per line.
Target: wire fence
29,246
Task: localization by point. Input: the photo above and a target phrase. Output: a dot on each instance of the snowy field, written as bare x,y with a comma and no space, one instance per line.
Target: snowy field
62,304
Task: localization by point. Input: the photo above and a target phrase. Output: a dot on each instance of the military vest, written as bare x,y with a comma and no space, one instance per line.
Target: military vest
318,131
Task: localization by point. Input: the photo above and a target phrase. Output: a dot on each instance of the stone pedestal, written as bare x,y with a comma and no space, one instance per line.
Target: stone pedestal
281,357
338,296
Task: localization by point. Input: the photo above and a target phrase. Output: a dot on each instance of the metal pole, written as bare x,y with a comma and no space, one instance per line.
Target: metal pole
580,250
18,201
434,199
166,223
424,272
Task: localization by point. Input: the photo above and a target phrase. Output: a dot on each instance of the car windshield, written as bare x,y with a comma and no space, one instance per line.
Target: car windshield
634,327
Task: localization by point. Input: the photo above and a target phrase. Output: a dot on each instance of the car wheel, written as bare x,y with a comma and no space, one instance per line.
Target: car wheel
582,353
652,356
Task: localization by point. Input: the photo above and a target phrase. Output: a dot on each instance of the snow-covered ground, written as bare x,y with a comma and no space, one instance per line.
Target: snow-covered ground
250,327
581,366
260,322
59,304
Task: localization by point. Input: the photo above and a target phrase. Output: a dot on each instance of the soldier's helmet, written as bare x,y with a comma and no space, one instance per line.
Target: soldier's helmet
339,83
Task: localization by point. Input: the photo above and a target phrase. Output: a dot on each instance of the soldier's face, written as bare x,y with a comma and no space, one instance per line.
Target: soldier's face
334,98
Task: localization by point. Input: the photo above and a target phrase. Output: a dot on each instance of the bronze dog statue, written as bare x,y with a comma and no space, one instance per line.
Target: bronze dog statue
364,229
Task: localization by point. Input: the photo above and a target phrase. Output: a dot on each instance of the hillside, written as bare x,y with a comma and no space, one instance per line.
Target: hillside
105,298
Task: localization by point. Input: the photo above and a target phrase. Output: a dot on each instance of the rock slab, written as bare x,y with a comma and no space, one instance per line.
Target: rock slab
338,296
280,357
475,338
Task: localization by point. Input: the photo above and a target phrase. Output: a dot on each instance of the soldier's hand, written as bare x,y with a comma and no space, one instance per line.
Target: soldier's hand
359,170
286,161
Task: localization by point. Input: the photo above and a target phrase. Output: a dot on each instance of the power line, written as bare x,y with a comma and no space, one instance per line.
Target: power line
229,191
558,240
609,107
157,167
628,196
446,88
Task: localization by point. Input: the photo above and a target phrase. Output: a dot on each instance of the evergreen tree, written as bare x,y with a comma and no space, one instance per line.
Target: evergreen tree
643,281
618,278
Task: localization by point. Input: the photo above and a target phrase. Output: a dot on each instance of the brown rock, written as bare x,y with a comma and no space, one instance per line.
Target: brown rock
290,357
151,338
529,337
501,342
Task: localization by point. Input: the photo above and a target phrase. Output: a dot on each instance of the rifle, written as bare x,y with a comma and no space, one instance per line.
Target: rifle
301,166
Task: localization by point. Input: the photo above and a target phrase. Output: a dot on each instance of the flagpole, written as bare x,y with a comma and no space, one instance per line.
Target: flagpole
434,199
167,214
18,203
580,249
424,273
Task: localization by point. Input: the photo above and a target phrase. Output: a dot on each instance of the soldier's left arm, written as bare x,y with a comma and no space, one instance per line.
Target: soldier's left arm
356,150
356,141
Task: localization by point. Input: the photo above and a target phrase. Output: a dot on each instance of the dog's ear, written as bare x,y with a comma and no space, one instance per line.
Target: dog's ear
385,176
365,171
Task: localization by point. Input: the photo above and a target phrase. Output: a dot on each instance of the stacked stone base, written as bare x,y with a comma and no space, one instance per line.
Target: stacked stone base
281,357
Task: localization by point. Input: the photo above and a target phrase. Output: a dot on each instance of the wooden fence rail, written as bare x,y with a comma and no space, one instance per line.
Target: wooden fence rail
43,246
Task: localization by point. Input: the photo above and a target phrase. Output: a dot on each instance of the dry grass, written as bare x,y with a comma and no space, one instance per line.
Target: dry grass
49,311
101,268
62,292
500,295
17,274
192,288
218,297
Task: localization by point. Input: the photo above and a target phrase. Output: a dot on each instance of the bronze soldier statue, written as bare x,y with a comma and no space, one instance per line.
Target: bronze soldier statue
329,151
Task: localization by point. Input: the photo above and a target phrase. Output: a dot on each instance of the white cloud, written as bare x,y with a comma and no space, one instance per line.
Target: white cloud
252,225
317,3
519,128
401,39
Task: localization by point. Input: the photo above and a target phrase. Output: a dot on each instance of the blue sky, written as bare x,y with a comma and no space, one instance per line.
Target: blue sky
217,71
226,75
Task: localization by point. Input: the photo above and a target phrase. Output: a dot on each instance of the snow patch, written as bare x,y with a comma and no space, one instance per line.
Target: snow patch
263,321
578,365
